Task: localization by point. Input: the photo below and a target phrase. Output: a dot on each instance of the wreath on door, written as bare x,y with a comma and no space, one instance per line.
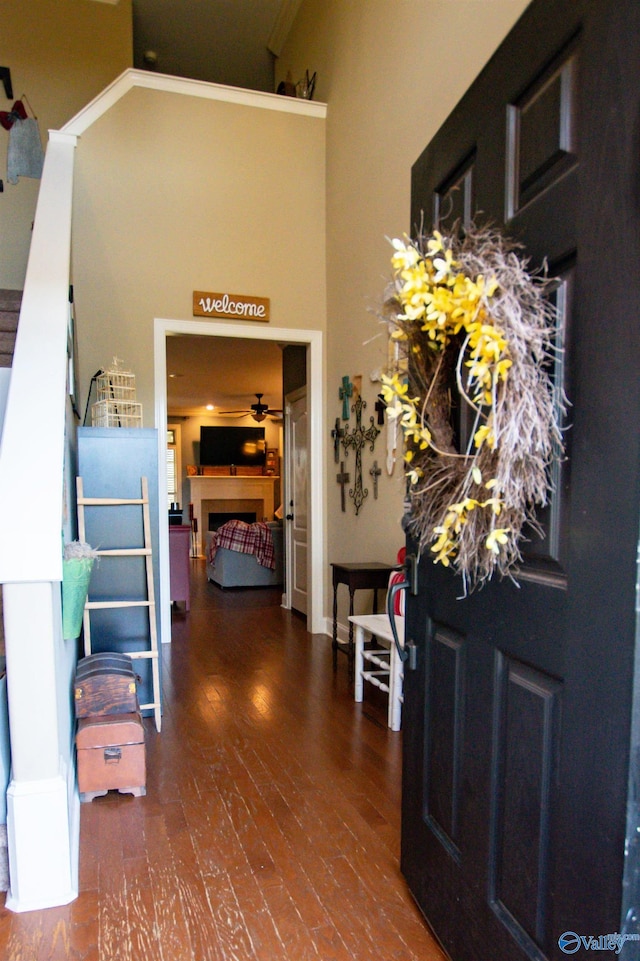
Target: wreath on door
477,330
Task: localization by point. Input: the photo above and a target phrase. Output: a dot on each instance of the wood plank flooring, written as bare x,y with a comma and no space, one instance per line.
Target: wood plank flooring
270,828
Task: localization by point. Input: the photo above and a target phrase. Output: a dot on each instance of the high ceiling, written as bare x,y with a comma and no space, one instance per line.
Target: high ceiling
233,42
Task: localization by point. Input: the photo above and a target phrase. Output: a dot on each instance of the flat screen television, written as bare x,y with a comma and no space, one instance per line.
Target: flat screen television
241,446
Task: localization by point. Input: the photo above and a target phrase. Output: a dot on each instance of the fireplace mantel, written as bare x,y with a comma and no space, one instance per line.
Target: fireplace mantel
239,488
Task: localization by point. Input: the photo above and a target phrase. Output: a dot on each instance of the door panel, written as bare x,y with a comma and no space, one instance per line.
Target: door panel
526,730
517,719
541,131
544,558
446,727
297,515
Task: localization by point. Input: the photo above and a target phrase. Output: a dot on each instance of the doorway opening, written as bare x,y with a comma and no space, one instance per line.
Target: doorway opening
211,384
312,339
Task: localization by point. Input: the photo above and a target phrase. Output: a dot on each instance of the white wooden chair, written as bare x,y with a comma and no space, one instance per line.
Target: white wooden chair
386,670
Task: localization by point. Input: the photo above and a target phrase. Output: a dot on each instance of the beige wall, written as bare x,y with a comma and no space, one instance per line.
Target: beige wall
61,54
390,72
175,194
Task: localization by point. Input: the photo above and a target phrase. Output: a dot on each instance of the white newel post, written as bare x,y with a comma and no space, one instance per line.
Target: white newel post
40,805
42,801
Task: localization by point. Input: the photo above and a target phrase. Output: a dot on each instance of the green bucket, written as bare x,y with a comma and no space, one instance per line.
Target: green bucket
76,574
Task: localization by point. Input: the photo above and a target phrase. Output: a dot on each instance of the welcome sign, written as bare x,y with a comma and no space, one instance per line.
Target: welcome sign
235,306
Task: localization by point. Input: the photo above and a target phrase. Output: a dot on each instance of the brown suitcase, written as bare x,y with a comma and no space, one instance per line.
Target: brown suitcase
105,687
111,755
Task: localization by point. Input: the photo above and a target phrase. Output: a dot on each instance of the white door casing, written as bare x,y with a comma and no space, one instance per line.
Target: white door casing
315,393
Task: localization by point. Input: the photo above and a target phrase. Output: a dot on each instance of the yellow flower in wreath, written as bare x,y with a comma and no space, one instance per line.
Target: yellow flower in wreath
496,538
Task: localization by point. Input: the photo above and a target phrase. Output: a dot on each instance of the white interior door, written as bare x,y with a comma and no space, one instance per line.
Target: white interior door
297,498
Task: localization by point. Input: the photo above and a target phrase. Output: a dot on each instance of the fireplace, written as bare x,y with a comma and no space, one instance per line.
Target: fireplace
218,518
231,495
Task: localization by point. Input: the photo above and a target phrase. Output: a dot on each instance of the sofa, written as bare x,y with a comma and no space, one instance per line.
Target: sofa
235,569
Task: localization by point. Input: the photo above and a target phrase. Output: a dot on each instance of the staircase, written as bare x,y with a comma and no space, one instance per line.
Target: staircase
10,301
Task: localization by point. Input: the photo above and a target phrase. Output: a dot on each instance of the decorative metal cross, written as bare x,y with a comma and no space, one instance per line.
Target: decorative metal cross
375,473
380,408
337,433
345,393
357,440
342,479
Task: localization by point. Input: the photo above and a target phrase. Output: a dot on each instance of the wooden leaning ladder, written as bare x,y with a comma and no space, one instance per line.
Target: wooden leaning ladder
148,602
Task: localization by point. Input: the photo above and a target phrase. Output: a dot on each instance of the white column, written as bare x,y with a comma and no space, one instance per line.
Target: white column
42,809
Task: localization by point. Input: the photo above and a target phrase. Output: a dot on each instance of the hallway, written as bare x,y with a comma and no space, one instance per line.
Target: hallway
270,828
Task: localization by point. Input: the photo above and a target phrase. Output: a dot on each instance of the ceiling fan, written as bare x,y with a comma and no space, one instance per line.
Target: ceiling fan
258,411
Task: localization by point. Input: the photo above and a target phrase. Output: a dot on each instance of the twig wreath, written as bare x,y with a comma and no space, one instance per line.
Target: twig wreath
472,320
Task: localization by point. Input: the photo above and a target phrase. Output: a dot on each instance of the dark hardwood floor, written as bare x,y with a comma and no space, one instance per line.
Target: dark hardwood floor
270,827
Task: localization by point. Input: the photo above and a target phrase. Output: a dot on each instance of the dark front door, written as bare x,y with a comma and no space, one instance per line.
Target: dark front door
518,717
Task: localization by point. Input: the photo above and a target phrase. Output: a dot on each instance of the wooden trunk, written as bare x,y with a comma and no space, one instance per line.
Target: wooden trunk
111,755
104,659
105,684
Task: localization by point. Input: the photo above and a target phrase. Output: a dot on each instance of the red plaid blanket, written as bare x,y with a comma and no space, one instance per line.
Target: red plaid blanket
253,539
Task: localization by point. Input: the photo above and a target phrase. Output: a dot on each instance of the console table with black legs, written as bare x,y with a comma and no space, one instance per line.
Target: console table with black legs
368,575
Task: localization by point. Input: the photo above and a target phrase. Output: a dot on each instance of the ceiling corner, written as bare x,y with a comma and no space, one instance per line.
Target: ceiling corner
282,26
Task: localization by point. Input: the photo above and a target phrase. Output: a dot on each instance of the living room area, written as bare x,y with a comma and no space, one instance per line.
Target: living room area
226,453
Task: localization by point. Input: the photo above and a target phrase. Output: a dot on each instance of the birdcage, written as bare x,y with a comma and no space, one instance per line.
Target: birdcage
116,405
116,413
115,383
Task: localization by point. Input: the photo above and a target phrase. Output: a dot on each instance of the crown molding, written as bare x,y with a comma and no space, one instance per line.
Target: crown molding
131,78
